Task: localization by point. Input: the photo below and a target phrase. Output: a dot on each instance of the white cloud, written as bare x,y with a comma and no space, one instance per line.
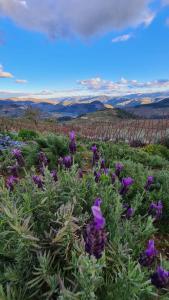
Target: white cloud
77,17
122,38
21,81
123,85
4,74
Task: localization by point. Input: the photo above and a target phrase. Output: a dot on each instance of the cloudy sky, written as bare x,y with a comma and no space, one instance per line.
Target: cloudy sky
52,48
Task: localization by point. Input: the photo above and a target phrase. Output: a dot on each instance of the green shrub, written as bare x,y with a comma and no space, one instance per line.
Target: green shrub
27,135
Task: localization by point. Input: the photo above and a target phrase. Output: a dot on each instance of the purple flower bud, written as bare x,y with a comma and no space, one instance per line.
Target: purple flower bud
54,175
129,212
118,169
80,173
148,256
10,182
126,183
95,235
155,210
149,182
113,178
38,181
97,176
160,278
67,161
18,156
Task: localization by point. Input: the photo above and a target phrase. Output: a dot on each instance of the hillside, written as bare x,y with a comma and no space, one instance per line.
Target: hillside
156,110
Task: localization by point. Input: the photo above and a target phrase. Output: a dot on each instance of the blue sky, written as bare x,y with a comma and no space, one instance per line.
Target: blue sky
45,52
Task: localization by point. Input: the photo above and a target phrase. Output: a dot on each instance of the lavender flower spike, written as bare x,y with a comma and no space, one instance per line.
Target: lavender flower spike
149,182
72,135
95,235
118,169
96,155
38,181
160,278
54,175
67,160
148,256
10,182
72,144
97,176
155,210
43,161
129,212
126,183
18,155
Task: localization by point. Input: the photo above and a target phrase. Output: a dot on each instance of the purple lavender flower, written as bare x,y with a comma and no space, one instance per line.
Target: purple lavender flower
38,181
72,135
149,182
118,169
148,256
94,148
97,176
54,175
103,165
155,210
42,159
160,278
126,183
19,157
10,182
72,144
67,161
80,174
129,211
96,155
14,170
113,178
95,235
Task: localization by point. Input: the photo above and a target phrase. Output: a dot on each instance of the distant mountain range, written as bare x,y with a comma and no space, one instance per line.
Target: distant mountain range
150,104
16,109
